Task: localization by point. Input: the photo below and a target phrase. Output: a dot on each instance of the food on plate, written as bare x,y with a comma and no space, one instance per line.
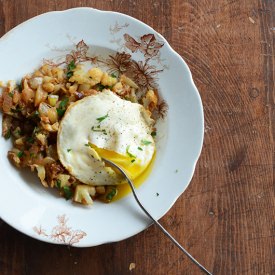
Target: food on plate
62,120
105,125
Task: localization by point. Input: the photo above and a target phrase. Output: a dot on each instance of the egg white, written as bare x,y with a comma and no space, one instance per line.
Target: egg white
108,126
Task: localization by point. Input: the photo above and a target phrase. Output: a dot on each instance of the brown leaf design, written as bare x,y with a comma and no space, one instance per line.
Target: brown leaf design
82,49
77,235
61,233
149,45
131,43
118,63
162,109
69,58
144,75
39,230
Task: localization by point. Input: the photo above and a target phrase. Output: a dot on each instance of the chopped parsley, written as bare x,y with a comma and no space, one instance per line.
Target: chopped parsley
99,119
140,149
145,142
35,114
32,155
133,160
68,193
69,150
10,94
70,69
157,194
113,75
18,132
111,194
58,183
100,87
153,134
128,153
87,144
16,110
62,106
30,139
20,154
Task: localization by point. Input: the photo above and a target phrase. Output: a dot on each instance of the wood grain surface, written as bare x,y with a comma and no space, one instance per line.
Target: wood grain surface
226,217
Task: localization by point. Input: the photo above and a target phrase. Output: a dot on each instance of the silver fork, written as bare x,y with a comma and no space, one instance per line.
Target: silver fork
156,222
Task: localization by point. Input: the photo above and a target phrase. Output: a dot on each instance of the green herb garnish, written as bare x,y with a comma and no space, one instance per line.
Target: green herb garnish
99,119
69,150
111,194
10,94
128,153
20,154
87,144
133,160
100,87
58,183
113,75
68,193
62,106
70,69
153,134
30,139
32,155
35,114
145,142
16,110
140,149
18,132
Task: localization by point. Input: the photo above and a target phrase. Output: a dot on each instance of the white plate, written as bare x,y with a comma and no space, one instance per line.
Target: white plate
55,36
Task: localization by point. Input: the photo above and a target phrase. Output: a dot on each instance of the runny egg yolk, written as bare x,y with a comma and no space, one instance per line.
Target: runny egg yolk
131,165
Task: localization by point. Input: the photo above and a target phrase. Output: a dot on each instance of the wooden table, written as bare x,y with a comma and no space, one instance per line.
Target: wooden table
226,217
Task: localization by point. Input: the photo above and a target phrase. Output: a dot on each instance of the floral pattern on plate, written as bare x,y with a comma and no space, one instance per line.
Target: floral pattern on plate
143,72
61,233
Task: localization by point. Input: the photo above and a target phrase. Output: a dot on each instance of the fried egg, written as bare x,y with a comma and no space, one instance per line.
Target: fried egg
104,125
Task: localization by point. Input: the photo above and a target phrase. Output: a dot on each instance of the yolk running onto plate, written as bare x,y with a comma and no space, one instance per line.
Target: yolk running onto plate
124,189
132,167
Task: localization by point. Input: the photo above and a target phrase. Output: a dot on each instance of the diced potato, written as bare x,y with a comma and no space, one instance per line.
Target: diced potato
20,141
52,115
150,100
84,87
16,97
100,190
73,88
96,74
40,96
48,87
50,128
42,138
41,172
63,179
27,93
118,88
81,77
35,82
107,80
83,194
